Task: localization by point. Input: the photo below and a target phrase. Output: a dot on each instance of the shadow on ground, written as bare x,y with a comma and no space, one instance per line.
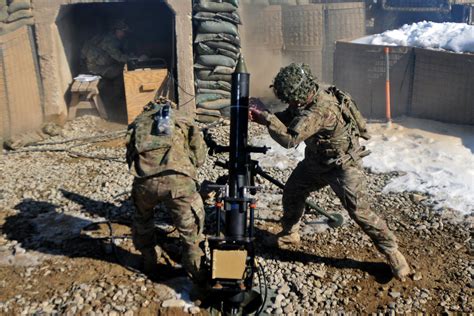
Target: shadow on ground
42,227
380,271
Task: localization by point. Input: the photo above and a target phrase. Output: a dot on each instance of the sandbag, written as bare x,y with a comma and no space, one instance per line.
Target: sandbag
18,15
205,6
204,84
10,27
209,75
223,45
201,118
208,112
214,91
16,5
218,27
232,17
218,70
280,2
207,97
205,37
222,70
233,2
215,105
203,49
3,3
260,2
3,14
216,60
225,111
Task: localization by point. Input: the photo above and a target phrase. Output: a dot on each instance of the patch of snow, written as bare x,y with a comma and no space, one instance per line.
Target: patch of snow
436,158
278,156
457,37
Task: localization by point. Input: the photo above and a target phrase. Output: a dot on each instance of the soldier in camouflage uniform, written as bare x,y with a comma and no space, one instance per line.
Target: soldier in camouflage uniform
164,166
104,54
321,117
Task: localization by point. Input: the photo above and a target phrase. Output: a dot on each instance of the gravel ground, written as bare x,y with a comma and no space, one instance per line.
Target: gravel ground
49,264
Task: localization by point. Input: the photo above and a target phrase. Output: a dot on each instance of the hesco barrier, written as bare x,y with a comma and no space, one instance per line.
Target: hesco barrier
360,70
443,86
342,20
262,26
424,83
303,33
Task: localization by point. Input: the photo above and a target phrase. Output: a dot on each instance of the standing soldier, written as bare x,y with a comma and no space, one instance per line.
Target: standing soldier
327,120
164,150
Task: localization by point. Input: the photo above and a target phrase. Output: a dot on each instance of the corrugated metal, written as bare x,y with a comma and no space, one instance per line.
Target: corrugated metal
20,86
443,86
360,70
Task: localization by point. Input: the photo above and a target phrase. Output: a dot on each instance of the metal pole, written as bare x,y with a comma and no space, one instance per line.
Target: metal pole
388,113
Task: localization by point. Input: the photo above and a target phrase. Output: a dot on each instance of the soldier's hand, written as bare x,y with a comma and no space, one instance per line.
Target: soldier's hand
257,104
257,116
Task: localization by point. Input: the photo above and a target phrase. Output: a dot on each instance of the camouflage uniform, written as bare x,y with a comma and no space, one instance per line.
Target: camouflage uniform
165,172
321,126
104,55
319,117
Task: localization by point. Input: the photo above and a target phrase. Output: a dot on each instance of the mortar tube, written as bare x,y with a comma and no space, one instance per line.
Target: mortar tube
239,157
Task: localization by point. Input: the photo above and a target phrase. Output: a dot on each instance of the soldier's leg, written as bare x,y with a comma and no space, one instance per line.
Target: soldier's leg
145,195
297,189
349,184
295,193
187,211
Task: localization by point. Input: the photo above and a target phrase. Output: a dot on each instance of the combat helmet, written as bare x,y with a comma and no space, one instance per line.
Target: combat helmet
120,25
293,83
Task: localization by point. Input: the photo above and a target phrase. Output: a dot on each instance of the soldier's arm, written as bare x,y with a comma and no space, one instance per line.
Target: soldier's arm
284,116
111,48
197,145
301,128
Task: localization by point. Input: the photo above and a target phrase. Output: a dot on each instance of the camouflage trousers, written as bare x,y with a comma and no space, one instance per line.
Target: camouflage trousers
349,184
179,195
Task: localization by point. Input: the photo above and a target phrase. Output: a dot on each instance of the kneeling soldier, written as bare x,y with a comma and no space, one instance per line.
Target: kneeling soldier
164,150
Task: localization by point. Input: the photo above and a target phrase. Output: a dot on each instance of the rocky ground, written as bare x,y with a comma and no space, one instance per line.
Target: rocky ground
56,256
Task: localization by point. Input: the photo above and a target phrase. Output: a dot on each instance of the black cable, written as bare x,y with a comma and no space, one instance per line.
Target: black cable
260,269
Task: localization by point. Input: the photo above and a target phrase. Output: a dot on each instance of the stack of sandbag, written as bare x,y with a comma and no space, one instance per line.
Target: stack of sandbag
216,51
15,14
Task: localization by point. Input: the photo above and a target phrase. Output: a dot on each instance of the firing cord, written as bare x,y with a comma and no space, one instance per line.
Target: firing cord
261,274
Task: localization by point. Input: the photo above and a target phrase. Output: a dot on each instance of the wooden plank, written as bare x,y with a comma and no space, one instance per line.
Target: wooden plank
75,86
141,87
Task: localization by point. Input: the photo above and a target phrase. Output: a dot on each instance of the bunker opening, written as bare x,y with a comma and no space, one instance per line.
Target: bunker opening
129,45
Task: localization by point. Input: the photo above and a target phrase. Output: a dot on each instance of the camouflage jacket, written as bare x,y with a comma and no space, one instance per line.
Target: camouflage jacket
319,124
149,155
103,51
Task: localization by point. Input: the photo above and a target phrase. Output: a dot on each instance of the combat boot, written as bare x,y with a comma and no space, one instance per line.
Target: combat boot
283,240
398,264
150,260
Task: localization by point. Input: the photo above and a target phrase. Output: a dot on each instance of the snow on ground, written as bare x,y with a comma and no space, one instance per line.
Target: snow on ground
436,158
458,37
